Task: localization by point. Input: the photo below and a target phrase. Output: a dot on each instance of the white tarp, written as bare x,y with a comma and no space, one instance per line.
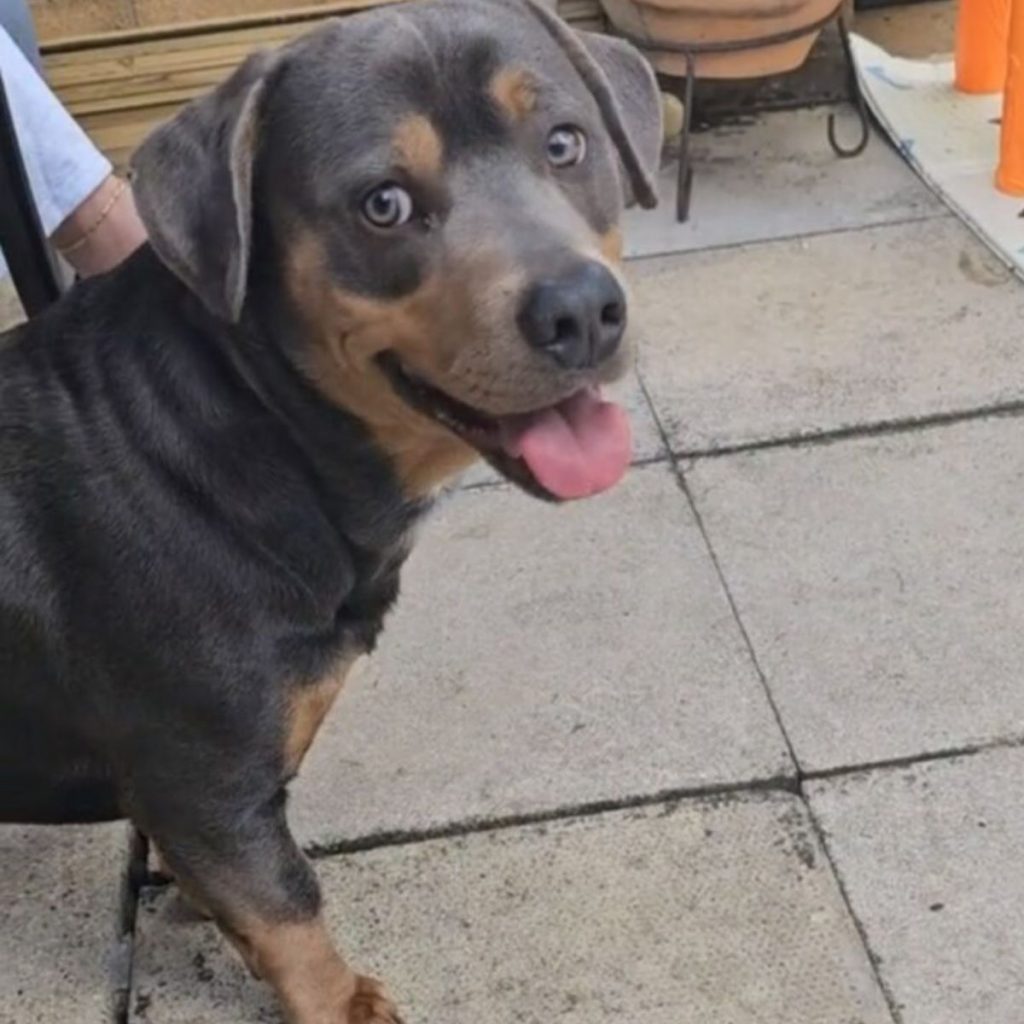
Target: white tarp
950,138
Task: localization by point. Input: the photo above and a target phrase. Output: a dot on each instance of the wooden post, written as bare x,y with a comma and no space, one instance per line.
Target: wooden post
1010,175
980,55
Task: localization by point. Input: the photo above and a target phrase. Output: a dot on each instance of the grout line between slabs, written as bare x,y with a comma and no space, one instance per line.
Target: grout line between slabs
723,583
843,229
862,935
740,625
880,428
873,959
566,812
131,883
910,760
793,784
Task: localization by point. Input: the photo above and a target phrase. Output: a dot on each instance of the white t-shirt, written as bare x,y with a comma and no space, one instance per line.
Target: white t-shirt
64,168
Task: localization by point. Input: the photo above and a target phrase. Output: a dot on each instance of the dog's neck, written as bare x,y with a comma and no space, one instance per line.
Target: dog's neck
422,455
267,448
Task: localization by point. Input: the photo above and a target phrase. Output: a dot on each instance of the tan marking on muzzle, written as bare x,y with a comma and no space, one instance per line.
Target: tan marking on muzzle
611,245
347,331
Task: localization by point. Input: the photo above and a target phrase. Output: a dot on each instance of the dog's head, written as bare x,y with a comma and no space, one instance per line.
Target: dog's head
437,188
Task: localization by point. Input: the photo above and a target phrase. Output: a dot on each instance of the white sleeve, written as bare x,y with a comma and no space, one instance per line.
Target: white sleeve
64,168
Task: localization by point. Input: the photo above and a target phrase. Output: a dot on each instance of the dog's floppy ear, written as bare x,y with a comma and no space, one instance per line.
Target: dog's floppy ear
626,92
636,89
193,185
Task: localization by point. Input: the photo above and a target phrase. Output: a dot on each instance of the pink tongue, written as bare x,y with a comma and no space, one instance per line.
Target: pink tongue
576,449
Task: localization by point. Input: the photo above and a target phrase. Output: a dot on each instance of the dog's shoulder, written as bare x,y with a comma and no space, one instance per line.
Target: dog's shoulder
149,471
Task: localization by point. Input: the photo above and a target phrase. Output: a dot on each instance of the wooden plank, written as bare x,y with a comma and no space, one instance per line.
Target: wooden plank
140,84
198,29
121,131
121,51
121,90
132,77
181,92
120,127
159,71
123,63
96,78
57,19
584,13
160,13
577,11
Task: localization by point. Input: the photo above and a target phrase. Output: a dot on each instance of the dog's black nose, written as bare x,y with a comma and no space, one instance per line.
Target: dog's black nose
578,318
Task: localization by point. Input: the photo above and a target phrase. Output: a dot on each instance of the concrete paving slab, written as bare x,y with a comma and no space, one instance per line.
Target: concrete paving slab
648,443
63,951
817,334
543,657
11,312
930,857
881,582
687,914
776,176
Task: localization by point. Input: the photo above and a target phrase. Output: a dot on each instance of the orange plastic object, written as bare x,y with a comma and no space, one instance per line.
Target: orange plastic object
1010,175
982,27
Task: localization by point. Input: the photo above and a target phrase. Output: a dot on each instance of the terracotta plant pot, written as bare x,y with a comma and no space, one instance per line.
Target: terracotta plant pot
699,23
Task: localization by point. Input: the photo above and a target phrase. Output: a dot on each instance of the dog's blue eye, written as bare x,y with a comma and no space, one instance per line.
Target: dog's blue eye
567,146
388,206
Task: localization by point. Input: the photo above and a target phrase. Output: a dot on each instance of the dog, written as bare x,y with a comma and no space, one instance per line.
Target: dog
377,254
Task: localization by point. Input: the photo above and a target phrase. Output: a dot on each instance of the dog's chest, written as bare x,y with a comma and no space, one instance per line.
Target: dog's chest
377,583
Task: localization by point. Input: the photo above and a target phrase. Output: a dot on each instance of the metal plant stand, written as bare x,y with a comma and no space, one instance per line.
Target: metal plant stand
684,86
22,240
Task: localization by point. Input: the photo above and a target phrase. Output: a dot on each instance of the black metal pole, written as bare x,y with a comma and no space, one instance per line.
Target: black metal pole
24,245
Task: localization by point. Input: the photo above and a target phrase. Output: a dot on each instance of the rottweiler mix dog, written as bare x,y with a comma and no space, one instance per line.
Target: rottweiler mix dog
376,254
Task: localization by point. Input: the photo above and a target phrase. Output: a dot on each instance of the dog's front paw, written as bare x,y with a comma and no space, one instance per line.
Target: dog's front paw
370,1005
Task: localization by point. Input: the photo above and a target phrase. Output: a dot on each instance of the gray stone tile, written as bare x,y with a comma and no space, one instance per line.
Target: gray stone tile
930,857
63,954
721,912
817,334
648,444
479,474
543,657
776,177
881,582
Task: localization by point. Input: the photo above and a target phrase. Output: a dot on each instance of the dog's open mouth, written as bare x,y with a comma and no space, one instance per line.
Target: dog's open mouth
574,449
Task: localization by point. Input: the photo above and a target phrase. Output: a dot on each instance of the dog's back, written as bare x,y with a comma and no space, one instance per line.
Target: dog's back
48,415
83,516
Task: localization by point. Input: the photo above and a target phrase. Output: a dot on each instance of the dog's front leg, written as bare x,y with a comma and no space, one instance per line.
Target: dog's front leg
242,865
